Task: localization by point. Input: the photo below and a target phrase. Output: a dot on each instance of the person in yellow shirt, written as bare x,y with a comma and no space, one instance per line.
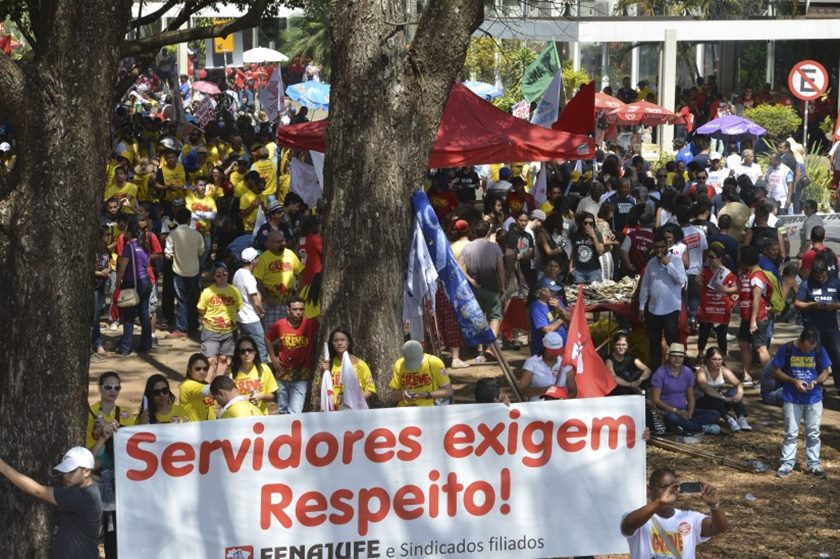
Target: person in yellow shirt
218,151
218,306
265,167
194,392
253,378
236,172
106,412
232,403
276,271
419,378
159,403
171,179
203,208
144,178
555,194
250,200
341,342
124,191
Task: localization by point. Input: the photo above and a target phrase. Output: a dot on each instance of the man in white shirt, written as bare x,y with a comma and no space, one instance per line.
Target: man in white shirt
658,529
592,203
779,179
749,167
503,185
250,315
184,247
716,174
696,246
733,160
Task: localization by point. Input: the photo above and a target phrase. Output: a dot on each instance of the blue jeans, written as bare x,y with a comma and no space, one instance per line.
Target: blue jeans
186,296
793,414
588,276
255,330
95,331
128,314
695,424
830,340
291,395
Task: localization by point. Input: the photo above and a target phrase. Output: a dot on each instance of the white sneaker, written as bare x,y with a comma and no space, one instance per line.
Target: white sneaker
744,424
114,326
731,337
733,425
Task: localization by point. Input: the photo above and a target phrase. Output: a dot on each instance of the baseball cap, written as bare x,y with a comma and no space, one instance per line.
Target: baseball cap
553,341
538,214
676,348
505,173
76,457
413,353
462,226
555,393
714,156
249,254
548,283
5,146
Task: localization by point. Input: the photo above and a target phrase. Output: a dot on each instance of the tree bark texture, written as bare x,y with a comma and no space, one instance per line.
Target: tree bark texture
386,100
60,104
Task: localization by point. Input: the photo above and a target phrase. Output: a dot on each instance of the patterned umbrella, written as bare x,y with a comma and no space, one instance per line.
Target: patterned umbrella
606,102
643,113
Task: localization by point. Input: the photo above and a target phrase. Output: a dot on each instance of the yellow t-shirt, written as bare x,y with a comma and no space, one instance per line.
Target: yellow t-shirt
362,373
431,376
127,192
124,419
261,382
178,414
245,201
145,192
669,178
241,408
237,179
494,171
196,204
220,305
197,406
265,167
284,182
278,274
218,153
176,178
547,207
110,182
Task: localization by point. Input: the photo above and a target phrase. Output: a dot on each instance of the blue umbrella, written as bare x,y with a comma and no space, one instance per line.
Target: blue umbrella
485,90
732,128
315,95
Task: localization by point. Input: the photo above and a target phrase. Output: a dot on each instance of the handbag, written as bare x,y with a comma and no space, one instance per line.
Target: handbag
130,297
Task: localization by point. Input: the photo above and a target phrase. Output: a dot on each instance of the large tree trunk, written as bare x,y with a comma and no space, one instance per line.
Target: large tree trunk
60,105
386,100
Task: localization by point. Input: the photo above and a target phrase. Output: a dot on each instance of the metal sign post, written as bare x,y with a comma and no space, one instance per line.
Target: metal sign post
805,128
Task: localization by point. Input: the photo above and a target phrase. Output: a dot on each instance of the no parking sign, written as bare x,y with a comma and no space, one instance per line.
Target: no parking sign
808,80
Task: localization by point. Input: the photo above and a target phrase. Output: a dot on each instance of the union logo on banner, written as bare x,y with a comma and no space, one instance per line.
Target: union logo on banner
239,552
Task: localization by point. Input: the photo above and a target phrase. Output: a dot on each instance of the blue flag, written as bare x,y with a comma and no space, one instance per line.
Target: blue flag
471,319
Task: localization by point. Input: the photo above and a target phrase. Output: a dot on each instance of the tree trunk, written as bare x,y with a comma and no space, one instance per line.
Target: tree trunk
386,100
60,105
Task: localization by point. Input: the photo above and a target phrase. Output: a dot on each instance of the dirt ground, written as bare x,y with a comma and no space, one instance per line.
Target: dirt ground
769,518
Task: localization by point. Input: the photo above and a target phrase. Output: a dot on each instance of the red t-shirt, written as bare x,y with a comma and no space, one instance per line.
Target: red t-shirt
809,257
444,203
710,190
295,345
716,307
748,281
154,248
517,202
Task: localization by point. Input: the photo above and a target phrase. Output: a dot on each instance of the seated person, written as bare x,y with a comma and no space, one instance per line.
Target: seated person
771,389
672,391
545,371
629,373
720,390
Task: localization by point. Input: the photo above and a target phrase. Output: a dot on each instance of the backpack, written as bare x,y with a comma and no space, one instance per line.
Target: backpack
827,256
777,300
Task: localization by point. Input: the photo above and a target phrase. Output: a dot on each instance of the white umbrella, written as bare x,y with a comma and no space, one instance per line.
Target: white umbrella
262,54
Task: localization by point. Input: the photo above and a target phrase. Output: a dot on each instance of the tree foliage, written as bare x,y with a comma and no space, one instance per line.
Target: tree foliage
309,36
779,120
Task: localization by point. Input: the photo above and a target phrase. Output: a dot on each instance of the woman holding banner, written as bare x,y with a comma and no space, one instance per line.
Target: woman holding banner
253,378
341,342
544,375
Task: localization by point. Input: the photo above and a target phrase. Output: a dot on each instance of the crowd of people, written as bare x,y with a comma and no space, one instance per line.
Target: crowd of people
200,235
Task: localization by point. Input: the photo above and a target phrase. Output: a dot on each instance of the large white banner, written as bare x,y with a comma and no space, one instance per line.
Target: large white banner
533,480
794,223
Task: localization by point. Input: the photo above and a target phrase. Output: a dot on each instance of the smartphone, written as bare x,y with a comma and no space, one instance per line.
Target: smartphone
145,402
691,487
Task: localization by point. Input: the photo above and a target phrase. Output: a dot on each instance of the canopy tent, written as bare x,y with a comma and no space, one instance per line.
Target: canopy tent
471,132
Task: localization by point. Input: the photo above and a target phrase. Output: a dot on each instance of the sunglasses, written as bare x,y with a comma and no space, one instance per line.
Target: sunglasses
112,387
589,223
161,392
205,368
702,177
247,350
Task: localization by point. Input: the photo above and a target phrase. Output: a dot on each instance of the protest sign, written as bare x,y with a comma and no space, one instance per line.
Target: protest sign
539,479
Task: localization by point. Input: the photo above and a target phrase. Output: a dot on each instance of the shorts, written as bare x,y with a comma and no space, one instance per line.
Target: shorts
217,343
153,300
490,303
761,337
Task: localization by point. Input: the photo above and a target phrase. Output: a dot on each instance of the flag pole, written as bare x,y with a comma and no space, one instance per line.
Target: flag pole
507,371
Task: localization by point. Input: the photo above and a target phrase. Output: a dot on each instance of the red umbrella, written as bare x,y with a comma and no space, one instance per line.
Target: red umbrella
606,102
643,113
208,88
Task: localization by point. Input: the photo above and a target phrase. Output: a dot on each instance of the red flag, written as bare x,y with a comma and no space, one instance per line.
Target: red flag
578,116
592,377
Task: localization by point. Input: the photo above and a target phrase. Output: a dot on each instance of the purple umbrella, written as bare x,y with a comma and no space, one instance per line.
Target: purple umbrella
732,128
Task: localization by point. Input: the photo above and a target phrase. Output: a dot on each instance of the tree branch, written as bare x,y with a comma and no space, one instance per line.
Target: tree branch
12,88
25,31
154,16
140,64
151,44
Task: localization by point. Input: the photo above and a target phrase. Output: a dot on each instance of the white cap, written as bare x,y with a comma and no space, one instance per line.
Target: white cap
5,146
249,254
76,457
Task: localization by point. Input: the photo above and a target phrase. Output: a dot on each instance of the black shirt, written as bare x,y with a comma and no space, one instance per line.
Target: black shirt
79,521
